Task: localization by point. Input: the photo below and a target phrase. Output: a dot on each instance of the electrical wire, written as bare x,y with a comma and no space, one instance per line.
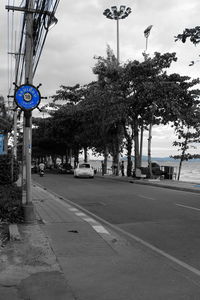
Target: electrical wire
39,34
8,45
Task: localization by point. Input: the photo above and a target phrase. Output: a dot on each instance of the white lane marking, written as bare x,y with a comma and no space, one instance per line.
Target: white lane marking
190,207
73,209
80,214
90,220
145,197
100,229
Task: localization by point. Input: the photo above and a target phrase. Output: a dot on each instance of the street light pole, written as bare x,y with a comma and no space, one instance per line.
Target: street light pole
115,14
146,34
117,40
153,106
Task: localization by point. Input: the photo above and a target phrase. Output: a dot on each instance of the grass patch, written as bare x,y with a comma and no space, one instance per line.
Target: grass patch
11,210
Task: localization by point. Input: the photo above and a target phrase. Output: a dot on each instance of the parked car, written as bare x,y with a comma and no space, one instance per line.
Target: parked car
84,170
65,169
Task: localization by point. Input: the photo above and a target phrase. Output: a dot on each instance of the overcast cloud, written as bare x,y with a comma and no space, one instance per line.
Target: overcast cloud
83,31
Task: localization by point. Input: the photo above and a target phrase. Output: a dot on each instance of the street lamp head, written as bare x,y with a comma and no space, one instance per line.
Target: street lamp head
128,10
106,12
114,8
122,8
147,31
116,14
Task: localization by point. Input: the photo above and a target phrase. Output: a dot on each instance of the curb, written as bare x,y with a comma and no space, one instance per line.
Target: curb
14,234
152,184
167,186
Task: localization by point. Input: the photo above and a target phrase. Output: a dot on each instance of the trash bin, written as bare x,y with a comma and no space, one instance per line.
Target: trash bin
168,172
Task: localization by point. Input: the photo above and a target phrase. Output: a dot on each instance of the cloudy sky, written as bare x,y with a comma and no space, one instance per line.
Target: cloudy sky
83,31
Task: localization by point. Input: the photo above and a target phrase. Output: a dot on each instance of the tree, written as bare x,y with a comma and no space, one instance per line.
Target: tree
143,89
193,34
109,73
187,127
5,122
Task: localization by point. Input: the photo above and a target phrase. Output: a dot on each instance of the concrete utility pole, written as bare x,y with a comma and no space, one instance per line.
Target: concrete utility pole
28,207
27,94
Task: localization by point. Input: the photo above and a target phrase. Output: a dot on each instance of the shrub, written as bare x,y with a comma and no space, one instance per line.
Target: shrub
8,165
11,204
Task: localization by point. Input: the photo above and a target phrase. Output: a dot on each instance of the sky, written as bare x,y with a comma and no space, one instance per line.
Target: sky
83,32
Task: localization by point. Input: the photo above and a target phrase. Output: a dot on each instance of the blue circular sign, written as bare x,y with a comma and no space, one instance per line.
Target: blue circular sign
27,97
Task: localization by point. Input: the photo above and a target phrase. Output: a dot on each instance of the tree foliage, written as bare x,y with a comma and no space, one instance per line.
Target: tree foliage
193,34
108,114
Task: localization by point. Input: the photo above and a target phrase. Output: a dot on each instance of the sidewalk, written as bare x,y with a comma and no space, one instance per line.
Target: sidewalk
69,255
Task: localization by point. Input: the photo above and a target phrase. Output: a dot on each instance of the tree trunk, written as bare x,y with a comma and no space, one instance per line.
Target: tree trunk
129,160
105,160
53,160
116,157
76,157
85,155
183,155
141,144
67,155
136,146
149,150
179,168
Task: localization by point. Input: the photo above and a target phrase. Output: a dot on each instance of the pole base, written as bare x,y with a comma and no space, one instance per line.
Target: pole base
29,213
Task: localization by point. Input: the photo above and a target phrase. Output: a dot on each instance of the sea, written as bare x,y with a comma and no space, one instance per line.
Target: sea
190,171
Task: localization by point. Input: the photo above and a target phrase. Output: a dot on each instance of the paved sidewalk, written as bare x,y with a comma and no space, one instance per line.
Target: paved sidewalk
69,255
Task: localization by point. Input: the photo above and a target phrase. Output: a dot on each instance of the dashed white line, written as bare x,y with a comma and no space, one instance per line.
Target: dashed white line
100,229
73,209
145,197
189,207
90,220
80,214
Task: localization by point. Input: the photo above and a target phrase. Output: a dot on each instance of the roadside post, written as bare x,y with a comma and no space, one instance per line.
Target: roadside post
27,97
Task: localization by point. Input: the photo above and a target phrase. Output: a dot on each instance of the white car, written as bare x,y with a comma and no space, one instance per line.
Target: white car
84,170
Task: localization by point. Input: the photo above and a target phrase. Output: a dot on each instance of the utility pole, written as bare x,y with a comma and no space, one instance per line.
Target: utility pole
28,207
27,97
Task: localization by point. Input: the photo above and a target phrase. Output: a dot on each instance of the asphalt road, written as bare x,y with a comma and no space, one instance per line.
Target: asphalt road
167,219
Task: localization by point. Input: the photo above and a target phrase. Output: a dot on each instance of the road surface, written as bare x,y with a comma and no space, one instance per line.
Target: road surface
167,219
